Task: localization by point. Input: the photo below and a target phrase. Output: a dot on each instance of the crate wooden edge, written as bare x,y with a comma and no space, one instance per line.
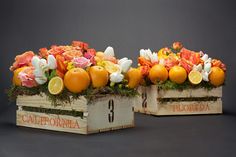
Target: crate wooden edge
152,97
85,120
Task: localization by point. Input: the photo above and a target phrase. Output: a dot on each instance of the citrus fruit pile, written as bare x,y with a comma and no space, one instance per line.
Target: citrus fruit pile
74,68
180,65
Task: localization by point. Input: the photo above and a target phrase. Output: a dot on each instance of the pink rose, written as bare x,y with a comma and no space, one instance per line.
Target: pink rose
81,62
22,60
27,77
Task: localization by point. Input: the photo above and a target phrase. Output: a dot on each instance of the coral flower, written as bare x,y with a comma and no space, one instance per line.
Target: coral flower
43,52
69,55
80,44
22,60
144,62
90,54
27,77
56,50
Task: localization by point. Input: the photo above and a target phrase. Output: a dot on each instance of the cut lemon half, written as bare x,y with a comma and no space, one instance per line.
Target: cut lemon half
55,85
110,66
195,77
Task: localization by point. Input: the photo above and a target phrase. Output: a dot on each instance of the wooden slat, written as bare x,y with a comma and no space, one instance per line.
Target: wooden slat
199,92
61,123
189,108
41,101
101,110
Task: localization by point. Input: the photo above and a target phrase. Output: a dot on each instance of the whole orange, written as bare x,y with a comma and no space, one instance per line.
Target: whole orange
217,76
16,81
158,73
99,76
177,74
134,77
76,80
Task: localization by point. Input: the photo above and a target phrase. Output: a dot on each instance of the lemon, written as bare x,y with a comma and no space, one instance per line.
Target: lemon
55,85
195,77
110,66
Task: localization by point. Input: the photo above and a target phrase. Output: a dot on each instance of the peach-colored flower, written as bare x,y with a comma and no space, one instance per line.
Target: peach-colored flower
80,44
81,62
43,52
27,77
22,60
69,55
56,50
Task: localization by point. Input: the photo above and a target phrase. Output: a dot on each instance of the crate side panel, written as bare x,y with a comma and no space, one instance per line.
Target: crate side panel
110,112
190,107
42,102
54,122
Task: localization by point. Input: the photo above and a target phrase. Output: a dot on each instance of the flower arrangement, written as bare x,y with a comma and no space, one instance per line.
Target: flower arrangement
65,72
177,67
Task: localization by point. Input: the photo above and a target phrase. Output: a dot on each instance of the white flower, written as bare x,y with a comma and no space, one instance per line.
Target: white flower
207,66
205,75
125,64
154,58
41,66
197,67
52,63
116,77
148,55
204,57
109,51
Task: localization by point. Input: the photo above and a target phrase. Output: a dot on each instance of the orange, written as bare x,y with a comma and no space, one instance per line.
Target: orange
99,76
76,80
55,85
217,76
195,77
134,77
16,81
158,73
177,74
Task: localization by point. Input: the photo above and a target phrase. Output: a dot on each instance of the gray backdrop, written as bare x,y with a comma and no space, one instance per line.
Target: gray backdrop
128,26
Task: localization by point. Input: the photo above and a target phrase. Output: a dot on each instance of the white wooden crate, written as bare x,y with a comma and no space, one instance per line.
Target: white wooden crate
103,114
151,101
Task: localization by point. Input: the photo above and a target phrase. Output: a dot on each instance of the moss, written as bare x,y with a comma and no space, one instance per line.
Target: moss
53,111
66,96
164,100
168,85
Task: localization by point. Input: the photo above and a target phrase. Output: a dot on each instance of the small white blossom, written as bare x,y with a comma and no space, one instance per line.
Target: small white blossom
125,64
116,77
52,63
109,52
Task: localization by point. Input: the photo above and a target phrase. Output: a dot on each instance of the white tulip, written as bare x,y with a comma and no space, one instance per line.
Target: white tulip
116,77
207,66
125,65
41,80
52,62
35,61
197,67
142,53
154,58
122,60
204,57
109,52
205,75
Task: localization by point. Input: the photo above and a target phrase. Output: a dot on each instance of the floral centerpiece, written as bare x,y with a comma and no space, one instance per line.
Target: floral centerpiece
66,72
177,67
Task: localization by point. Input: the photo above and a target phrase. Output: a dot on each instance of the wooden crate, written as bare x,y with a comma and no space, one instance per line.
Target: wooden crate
103,114
177,102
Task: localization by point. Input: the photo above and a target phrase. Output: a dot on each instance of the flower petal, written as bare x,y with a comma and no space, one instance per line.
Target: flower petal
52,63
116,77
109,51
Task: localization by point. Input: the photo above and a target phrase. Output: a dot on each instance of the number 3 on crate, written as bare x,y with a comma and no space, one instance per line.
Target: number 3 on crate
111,109
144,100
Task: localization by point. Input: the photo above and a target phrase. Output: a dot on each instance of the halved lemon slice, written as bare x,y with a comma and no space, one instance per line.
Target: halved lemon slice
55,85
110,66
195,77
